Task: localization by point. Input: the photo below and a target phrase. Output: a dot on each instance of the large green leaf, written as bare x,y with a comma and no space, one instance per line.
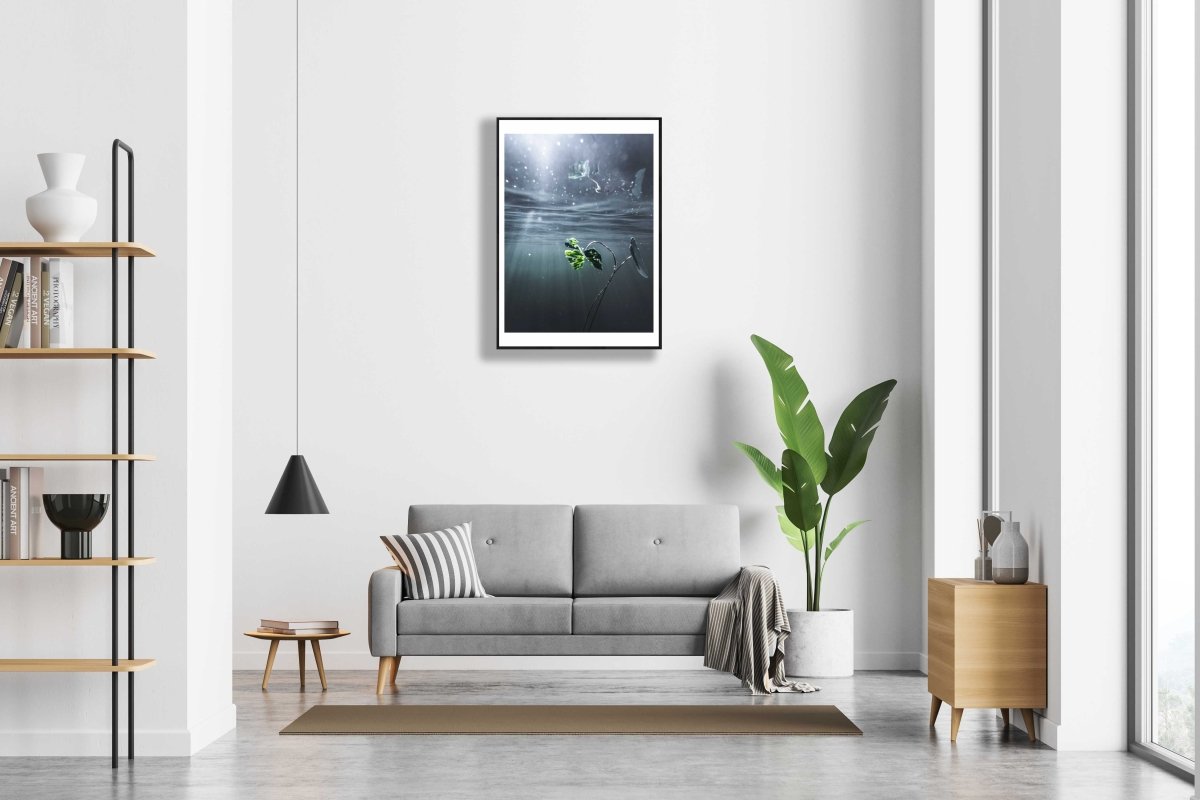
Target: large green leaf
853,435
801,540
829,548
795,414
766,467
801,502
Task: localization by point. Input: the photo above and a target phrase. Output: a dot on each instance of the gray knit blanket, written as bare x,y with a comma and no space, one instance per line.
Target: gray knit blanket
747,628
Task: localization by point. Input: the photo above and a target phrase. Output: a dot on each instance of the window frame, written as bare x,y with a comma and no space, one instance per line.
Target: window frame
1141,423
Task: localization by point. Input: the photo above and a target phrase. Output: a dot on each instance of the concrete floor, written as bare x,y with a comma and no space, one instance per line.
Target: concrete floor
898,756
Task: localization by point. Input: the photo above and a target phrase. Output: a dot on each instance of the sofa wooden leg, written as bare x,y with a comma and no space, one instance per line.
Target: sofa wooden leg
387,667
395,669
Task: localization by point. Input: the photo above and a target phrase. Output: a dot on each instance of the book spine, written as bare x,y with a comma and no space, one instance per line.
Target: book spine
66,303
37,547
6,265
4,489
31,323
12,523
23,520
10,269
45,302
10,327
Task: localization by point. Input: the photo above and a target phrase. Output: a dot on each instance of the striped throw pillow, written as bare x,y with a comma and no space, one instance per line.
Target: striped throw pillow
437,565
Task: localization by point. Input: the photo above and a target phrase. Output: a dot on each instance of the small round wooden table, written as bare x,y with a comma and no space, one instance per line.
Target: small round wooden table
299,639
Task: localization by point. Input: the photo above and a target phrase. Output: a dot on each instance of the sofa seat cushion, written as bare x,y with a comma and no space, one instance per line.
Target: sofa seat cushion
505,616
639,616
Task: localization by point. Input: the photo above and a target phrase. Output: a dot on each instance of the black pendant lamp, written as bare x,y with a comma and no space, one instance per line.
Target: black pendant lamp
297,492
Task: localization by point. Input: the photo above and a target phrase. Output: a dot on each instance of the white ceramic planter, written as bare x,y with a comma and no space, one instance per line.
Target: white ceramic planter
821,644
61,213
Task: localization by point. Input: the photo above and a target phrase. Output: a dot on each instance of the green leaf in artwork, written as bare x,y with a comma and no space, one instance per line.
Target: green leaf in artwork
593,255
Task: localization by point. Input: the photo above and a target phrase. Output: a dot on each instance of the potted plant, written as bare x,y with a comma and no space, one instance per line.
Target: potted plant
822,640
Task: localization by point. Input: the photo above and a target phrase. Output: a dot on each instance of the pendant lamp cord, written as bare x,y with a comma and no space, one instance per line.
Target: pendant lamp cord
297,227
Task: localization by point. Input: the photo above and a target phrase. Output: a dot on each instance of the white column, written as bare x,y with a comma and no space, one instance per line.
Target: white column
952,270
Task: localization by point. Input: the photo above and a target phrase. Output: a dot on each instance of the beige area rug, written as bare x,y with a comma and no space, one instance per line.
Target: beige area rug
725,720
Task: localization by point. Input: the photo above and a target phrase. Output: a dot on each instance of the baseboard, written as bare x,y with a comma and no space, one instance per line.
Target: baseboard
1047,729
255,660
150,743
887,661
923,663
213,728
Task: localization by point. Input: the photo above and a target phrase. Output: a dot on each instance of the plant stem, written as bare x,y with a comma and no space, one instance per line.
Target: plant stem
820,566
808,578
594,308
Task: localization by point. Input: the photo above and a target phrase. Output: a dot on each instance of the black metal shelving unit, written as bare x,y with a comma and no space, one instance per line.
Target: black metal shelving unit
116,249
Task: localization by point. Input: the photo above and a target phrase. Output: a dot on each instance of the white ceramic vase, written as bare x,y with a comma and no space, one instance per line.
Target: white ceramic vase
1010,555
61,213
821,644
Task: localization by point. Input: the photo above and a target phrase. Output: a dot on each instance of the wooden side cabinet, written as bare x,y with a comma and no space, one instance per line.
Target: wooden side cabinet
987,648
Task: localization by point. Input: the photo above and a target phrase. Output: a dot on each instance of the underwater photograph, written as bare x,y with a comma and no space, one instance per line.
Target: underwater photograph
578,230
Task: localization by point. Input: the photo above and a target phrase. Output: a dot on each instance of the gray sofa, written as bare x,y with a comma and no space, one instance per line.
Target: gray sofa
593,580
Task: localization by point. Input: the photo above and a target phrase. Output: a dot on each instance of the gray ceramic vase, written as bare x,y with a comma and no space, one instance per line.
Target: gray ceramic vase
1010,555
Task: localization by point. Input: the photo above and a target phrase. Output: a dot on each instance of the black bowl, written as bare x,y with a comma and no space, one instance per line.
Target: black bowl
75,512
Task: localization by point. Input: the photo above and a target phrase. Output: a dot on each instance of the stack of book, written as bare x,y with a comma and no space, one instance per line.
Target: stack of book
302,628
21,517
37,303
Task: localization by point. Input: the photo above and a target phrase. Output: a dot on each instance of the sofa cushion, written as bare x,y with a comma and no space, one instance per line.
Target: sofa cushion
654,550
639,615
520,551
437,564
505,616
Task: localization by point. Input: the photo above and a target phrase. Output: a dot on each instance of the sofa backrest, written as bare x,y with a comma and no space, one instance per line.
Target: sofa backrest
521,551
655,550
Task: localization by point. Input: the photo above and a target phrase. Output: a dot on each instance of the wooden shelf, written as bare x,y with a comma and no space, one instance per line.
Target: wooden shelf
74,353
74,457
74,664
126,561
74,249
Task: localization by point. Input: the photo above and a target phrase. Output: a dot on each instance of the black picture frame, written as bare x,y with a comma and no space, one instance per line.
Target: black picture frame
619,187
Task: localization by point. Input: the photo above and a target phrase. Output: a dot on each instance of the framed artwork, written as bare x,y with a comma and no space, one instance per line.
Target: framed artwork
580,232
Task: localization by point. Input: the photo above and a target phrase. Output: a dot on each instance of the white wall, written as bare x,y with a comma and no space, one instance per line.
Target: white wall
792,179
104,71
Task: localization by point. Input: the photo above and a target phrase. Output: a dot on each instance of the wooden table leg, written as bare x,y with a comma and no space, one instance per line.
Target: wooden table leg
935,705
300,650
1004,713
320,663
955,719
1027,715
270,662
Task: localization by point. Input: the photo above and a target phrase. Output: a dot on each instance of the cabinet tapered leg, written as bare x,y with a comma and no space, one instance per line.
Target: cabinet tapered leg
270,663
300,650
320,663
1027,715
955,719
1004,713
935,705
385,671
